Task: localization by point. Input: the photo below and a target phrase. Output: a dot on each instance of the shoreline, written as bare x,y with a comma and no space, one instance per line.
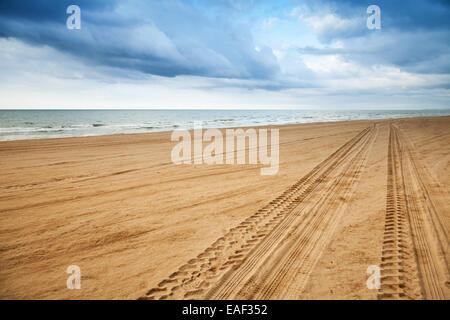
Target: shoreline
221,128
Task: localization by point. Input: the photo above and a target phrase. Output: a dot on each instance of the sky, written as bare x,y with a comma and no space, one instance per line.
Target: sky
237,54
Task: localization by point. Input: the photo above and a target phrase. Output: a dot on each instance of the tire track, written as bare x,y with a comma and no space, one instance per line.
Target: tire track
414,257
255,235
279,267
399,276
439,222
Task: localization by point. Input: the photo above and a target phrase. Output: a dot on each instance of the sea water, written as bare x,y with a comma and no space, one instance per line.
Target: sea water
40,124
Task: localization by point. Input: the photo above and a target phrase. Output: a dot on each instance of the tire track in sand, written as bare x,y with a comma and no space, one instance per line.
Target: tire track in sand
224,267
415,248
280,266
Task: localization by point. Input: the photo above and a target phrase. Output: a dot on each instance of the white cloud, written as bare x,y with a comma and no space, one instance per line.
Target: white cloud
324,23
41,77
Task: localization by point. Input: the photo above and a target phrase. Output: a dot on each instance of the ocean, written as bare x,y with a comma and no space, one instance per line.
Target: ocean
41,124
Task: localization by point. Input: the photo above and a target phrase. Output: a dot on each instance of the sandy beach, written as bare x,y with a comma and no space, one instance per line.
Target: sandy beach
348,195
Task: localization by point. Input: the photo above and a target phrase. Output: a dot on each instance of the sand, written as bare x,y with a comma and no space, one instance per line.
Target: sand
348,195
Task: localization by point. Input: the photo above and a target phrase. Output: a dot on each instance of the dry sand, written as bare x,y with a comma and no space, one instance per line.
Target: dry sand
348,195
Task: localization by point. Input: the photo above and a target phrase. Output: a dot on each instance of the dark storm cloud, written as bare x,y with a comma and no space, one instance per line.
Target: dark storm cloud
409,14
414,36
211,39
167,38
48,10
396,16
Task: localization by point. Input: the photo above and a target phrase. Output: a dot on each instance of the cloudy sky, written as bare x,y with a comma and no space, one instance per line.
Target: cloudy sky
310,54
